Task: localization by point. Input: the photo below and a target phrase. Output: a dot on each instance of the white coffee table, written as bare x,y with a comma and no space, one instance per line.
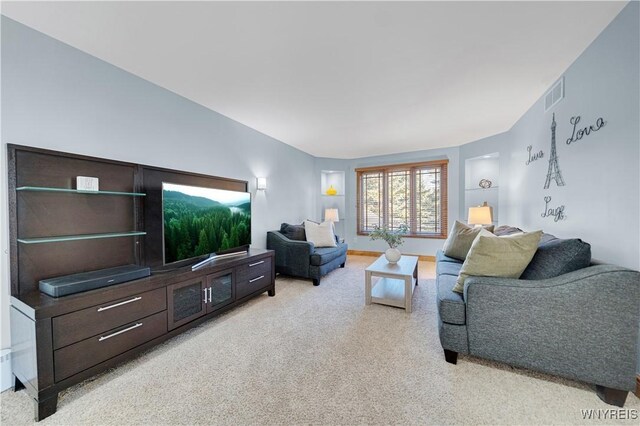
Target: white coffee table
395,287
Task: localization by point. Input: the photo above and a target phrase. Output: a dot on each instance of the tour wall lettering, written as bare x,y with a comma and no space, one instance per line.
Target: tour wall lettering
557,213
579,133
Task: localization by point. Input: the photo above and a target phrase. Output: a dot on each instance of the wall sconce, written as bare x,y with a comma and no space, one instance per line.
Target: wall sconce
481,215
331,215
261,183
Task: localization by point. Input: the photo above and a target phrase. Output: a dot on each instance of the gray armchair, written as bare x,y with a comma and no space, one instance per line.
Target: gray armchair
300,258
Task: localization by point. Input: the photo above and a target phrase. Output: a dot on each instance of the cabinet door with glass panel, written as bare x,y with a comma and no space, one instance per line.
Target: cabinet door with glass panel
186,301
221,289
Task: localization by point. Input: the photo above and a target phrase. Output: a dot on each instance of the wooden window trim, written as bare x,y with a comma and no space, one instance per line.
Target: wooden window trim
385,169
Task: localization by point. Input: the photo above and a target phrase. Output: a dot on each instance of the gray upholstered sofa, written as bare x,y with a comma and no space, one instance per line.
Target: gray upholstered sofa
582,324
300,258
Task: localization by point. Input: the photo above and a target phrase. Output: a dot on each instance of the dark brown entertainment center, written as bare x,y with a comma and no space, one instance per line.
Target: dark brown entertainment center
56,230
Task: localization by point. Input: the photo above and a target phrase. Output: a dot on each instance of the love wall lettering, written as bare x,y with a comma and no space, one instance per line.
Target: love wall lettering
557,213
579,133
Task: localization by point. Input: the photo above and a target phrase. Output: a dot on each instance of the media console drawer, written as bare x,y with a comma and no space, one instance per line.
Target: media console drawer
254,269
75,358
79,325
253,276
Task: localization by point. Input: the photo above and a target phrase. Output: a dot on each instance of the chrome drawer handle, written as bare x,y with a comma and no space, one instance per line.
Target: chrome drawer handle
205,295
119,332
135,299
256,264
210,296
256,279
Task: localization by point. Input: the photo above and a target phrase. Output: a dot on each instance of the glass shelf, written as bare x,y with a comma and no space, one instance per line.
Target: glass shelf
40,240
76,191
481,189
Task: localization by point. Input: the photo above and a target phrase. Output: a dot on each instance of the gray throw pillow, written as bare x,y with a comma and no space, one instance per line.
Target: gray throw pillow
293,232
556,257
503,230
460,239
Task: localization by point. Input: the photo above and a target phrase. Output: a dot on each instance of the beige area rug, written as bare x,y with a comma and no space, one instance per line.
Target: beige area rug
316,355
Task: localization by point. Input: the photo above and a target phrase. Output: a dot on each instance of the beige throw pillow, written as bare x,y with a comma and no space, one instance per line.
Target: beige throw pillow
460,239
492,256
320,234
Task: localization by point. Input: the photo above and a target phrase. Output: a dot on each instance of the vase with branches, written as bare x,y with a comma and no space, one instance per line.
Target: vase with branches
393,237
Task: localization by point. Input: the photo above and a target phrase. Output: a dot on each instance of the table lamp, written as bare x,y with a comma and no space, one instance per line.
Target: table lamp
331,215
481,215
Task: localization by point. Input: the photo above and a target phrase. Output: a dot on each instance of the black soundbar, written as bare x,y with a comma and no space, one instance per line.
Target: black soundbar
84,281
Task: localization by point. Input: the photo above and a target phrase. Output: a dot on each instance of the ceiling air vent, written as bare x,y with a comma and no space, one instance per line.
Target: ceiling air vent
555,95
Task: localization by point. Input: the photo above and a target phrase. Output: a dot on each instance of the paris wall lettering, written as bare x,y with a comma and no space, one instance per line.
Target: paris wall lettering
533,157
557,213
554,170
579,133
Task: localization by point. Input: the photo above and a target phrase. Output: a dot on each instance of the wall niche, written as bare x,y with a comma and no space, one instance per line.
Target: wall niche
482,180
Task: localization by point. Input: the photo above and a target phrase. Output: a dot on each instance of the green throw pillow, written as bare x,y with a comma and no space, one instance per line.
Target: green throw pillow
460,239
492,256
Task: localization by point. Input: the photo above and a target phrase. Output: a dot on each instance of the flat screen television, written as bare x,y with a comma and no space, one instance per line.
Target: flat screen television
199,221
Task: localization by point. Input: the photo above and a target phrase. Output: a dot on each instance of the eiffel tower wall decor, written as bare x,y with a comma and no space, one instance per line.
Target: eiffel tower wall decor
554,170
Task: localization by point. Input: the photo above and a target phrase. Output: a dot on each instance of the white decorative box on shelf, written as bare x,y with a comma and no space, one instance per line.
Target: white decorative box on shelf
86,183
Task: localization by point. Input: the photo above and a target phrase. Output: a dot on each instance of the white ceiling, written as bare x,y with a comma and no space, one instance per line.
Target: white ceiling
340,80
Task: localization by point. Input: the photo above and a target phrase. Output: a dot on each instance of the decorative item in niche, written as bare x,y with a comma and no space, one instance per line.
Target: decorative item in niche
538,155
331,190
554,169
485,183
577,135
557,213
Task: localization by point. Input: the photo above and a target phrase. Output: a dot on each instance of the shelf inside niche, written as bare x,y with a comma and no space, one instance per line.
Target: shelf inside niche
62,238
76,191
482,189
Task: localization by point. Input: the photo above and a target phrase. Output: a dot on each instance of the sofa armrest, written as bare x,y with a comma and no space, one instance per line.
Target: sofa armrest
582,325
292,256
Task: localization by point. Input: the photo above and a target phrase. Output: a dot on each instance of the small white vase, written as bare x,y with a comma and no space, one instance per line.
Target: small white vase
392,255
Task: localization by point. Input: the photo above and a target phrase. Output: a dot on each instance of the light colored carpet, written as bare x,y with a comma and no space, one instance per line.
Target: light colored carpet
316,355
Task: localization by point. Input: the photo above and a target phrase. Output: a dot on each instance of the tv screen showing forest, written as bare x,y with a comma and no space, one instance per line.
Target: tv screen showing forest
199,221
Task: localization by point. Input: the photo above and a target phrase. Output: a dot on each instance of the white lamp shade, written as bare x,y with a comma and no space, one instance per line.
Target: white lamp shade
331,215
261,183
481,215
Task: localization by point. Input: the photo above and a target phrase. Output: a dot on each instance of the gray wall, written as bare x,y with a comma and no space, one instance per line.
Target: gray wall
601,170
57,97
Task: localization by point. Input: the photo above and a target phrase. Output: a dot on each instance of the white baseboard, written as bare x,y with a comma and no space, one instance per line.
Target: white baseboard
5,370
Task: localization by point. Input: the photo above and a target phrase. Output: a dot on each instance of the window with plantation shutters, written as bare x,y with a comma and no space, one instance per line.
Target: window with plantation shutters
405,194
